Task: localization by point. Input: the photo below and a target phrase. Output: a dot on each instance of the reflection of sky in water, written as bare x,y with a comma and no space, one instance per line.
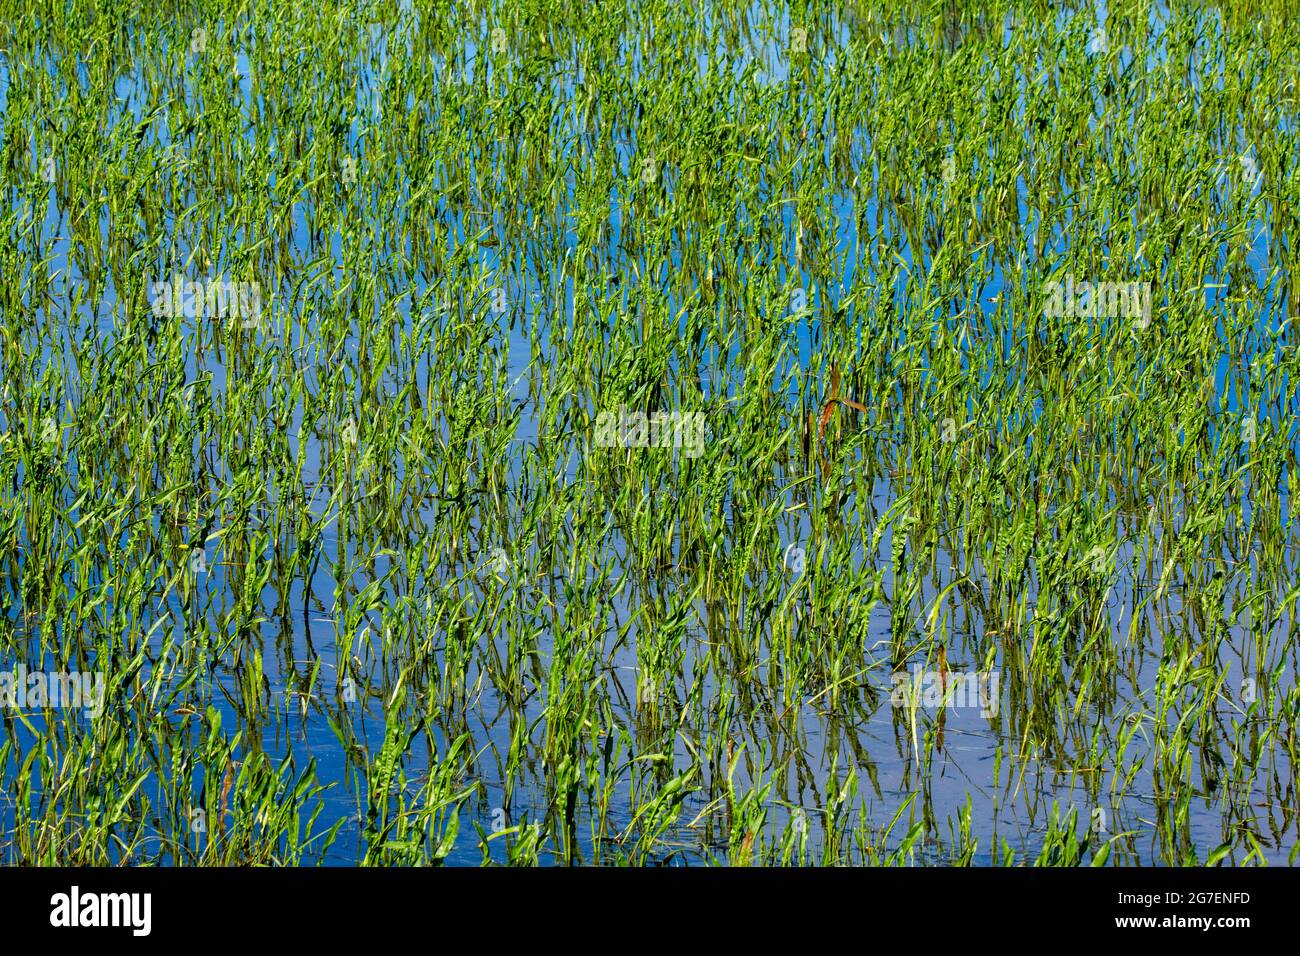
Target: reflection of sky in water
862,728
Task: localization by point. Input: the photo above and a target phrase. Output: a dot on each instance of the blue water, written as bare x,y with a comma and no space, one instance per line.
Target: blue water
297,632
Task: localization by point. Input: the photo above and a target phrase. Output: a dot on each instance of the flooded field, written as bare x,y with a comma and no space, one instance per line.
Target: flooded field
649,433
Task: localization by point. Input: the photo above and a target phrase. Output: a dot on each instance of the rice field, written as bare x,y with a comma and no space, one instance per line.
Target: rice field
642,433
